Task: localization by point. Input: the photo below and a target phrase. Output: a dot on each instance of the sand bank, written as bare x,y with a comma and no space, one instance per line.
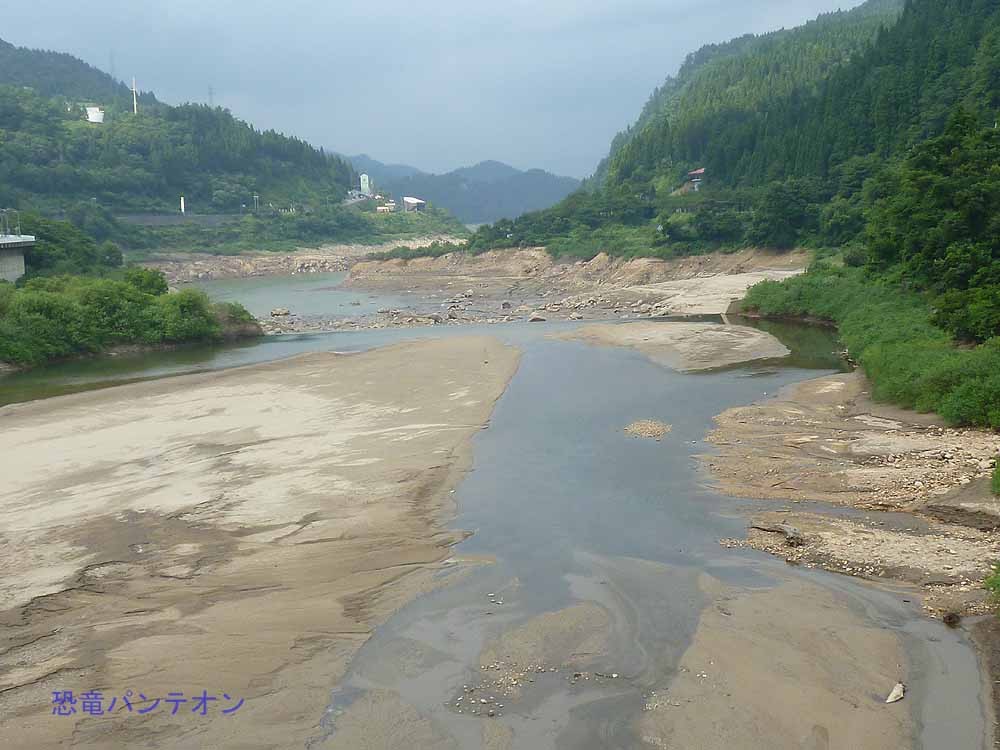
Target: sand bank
240,532
685,346
826,440
788,668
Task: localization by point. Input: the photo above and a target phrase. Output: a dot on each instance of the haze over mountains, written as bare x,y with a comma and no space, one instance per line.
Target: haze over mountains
480,194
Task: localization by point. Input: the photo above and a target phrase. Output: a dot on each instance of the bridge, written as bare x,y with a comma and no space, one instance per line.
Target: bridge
12,245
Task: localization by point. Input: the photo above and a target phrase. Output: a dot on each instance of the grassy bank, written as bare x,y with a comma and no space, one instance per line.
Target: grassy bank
434,250
890,332
285,232
64,316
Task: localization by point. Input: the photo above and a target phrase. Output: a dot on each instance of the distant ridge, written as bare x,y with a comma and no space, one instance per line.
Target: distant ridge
480,194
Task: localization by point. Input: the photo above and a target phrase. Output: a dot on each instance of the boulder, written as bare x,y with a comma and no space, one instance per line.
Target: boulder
280,312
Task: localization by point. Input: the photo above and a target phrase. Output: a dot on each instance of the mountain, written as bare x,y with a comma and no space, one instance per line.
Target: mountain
727,86
487,171
735,109
379,172
56,74
51,158
479,194
485,192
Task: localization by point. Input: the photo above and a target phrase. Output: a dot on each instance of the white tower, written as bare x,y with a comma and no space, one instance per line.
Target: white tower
135,98
366,185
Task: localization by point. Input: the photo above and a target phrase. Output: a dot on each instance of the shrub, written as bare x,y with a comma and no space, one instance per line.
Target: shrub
146,280
992,583
186,316
65,315
910,361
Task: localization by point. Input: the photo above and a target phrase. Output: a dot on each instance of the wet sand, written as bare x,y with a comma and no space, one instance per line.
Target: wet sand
240,532
788,668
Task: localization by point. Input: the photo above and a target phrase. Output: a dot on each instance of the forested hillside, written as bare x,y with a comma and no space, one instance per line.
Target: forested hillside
51,158
59,74
720,82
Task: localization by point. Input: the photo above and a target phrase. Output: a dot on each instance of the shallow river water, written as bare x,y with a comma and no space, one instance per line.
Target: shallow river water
565,509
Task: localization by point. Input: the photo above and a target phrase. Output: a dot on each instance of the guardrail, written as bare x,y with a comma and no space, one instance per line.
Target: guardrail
10,222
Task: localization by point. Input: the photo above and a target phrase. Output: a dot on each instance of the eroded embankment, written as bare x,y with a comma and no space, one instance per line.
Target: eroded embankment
239,532
182,267
520,283
826,440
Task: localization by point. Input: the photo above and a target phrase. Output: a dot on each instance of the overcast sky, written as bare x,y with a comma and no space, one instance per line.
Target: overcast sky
434,83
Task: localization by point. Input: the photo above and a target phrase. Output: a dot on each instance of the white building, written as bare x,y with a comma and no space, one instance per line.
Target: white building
366,185
95,115
413,204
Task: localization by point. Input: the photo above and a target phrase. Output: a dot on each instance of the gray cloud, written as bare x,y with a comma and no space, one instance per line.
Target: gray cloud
437,84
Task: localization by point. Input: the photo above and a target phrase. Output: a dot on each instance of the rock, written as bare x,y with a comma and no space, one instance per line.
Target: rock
648,428
576,316
536,318
436,318
897,693
505,305
280,312
793,537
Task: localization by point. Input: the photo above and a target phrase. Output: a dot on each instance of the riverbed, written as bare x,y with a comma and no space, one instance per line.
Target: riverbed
592,605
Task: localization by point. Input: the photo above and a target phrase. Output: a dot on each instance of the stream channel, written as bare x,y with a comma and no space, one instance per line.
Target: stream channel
568,514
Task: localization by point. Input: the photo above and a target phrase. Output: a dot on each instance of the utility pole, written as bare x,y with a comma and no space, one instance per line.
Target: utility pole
256,203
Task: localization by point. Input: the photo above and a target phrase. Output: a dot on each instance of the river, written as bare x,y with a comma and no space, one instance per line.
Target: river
566,510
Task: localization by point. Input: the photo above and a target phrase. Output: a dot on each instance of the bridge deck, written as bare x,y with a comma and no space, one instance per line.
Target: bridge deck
16,240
